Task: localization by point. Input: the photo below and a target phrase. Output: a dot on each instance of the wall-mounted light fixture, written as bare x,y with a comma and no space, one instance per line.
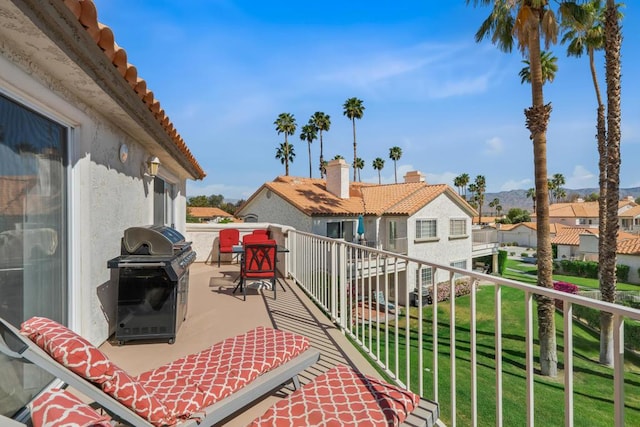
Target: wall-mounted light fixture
152,166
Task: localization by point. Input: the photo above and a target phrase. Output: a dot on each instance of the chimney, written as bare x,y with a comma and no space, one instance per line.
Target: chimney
338,178
414,176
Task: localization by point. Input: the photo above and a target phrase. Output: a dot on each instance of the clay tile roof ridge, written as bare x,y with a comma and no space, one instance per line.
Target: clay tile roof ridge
86,13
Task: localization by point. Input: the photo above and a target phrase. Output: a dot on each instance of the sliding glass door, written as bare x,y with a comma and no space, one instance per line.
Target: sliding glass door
33,230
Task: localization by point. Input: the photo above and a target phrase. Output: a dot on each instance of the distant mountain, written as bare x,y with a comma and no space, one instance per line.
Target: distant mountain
518,198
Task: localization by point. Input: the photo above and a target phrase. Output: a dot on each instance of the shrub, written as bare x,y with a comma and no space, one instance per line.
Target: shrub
622,272
462,287
524,254
502,262
512,253
591,317
567,287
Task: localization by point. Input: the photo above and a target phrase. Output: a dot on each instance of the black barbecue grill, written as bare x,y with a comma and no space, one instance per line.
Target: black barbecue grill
153,283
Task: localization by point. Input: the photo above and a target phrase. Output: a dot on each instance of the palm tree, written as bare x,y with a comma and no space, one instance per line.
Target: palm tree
495,203
456,183
557,182
309,133
285,154
359,164
323,167
527,22
322,122
532,193
285,123
464,181
378,164
549,68
607,257
588,35
479,188
353,109
394,154
338,157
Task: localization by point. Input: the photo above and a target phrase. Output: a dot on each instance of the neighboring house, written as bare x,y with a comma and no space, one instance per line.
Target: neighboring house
630,219
629,254
423,221
209,214
585,214
525,233
80,134
567,241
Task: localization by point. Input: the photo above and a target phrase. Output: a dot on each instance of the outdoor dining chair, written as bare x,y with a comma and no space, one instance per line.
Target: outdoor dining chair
228,238
258,263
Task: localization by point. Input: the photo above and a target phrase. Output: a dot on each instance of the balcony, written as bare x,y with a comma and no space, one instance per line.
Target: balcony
327,298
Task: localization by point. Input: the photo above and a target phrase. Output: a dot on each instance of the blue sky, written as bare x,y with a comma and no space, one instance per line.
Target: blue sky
223,70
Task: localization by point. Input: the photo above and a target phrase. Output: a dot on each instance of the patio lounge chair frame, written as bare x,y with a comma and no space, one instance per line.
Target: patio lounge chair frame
22,348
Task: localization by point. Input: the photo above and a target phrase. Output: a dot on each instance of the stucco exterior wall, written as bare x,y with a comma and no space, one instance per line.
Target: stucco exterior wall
633,261
105,195
523,236
445,249
271,208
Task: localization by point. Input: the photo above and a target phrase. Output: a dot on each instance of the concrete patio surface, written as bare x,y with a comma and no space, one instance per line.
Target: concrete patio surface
215,313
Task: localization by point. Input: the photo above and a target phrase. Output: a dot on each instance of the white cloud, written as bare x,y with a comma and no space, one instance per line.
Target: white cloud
512,184
581,178
494,146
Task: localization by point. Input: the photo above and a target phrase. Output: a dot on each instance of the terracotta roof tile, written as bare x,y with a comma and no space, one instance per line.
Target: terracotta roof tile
86,13
311,197
631,212
629,247
571,235
207,212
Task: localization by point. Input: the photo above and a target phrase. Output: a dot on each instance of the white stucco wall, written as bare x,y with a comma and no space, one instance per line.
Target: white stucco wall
445,249
633,261
271,208
522,235
105,195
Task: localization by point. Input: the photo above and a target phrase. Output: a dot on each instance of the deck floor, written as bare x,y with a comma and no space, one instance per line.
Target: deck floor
215,313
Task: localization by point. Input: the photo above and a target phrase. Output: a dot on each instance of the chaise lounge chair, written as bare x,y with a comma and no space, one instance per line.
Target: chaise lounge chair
199,389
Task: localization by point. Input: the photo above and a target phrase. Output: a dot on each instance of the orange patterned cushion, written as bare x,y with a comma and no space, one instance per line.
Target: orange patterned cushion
69,349
228,365
132,394
342,397
61,408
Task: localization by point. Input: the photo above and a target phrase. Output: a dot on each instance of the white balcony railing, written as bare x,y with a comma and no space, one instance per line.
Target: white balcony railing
341,278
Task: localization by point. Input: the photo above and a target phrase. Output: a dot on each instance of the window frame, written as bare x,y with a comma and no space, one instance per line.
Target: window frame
418,230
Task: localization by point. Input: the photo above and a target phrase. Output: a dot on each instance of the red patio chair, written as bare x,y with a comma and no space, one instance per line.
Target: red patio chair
261,231
258,263
228,238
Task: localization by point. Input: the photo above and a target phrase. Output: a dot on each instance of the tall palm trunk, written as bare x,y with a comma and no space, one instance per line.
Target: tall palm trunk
286,156
309,150
537,118
321,157
613,41
355,156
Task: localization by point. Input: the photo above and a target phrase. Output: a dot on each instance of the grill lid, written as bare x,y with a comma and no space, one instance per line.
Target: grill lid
152,240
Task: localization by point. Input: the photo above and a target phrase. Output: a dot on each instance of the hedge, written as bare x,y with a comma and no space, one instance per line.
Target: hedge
590,269
502,262
591,317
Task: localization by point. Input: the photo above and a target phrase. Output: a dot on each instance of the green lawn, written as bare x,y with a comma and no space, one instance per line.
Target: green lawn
526,273
593,383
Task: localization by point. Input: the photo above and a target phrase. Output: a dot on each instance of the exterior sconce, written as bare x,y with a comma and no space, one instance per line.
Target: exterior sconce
153,163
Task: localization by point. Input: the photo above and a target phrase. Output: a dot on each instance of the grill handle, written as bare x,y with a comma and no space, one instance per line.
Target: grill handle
141,264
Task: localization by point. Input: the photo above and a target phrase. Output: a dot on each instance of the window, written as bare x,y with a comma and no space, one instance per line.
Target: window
341,230
426,228
636,221
424,278
457,227
459,264
33,235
